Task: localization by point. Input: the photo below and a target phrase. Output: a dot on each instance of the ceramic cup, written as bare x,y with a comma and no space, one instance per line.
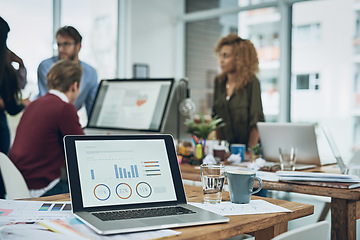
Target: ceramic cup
241,185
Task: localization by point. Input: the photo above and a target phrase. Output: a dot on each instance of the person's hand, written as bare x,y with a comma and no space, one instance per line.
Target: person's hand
26,102
248,155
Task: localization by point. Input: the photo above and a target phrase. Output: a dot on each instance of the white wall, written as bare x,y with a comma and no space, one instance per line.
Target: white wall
152,41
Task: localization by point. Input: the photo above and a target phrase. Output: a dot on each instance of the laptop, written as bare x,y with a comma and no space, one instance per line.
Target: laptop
302,136
129,183
130,106
348,170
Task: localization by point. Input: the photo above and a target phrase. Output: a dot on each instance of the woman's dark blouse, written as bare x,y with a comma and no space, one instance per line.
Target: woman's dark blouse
240,113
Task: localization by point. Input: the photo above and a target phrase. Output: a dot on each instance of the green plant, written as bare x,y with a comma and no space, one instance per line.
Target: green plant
203,127
255,150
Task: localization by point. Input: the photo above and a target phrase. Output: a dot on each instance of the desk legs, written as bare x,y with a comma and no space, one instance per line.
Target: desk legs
343,219
271,232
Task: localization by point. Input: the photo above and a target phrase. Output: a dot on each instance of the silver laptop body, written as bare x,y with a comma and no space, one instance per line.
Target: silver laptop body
302,136
348,170
111,174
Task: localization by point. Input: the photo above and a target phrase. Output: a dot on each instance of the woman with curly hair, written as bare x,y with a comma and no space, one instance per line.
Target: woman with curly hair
237,94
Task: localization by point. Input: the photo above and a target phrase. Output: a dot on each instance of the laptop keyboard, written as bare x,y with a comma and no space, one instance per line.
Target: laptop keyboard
142,213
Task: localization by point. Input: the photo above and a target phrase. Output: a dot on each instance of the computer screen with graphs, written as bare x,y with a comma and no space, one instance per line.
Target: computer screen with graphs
124,172
131,104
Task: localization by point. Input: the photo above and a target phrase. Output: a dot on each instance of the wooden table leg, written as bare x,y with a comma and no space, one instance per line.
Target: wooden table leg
343,219
271,232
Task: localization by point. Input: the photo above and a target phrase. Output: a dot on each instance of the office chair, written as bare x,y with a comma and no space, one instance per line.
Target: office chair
14,182
318,231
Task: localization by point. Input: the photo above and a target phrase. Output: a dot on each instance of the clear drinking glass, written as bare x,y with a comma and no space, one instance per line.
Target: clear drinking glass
287,158
212,178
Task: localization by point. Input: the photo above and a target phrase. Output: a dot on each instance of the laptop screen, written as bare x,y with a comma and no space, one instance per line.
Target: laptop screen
131,104
126,172
122,170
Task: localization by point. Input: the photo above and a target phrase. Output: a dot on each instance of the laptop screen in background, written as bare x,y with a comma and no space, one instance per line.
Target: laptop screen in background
115,172
131,104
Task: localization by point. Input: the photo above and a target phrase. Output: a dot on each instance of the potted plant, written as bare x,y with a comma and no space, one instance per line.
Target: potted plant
256,152
200,127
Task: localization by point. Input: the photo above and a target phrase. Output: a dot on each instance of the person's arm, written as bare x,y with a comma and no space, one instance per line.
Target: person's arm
2,104
92,93
15,58
69,121
253,137
42,82
21,71
13,107
256,113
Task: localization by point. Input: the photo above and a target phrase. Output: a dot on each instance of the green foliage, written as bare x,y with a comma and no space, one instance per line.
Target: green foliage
255,150
203,128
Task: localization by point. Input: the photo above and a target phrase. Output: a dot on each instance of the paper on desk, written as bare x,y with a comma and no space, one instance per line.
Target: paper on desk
254,207
81,228
316,177
21,219
28,211
38,231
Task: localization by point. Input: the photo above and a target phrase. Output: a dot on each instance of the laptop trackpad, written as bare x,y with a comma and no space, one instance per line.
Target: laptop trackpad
161,221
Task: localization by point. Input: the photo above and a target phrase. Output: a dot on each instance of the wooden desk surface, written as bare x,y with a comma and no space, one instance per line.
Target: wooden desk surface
345,203
263,226
190,172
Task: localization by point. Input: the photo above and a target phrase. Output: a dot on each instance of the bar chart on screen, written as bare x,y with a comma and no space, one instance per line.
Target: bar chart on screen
151,168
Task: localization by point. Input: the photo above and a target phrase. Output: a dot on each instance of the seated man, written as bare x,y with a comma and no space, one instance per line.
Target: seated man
38,150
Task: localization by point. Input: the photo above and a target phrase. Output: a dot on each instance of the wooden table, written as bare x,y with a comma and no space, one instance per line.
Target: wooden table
345,203
262,226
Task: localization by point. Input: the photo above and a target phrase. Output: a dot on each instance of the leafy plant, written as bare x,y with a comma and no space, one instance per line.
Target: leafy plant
256,150
203,127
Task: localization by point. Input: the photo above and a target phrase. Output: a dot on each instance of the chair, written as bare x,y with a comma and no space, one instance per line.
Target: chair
14,182
318,231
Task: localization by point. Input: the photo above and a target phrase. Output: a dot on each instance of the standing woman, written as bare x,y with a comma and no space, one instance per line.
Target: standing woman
11,80
237,94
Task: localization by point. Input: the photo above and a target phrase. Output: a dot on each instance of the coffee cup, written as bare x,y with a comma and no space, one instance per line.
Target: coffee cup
241,185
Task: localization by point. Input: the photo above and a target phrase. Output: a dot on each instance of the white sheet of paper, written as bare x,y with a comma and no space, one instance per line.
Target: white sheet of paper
28,211
254,207
268,176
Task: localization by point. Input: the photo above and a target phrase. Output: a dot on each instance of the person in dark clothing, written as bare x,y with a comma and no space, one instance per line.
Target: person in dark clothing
11,82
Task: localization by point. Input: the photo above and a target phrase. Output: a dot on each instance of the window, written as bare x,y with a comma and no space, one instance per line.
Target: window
307,34
97,24
30,35
307,81
323,74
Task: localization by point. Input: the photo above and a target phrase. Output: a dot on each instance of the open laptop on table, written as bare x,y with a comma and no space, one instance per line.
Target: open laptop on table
302,136
348,170
129,183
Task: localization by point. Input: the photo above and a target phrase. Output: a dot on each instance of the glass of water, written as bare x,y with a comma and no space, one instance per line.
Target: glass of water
287,158
212,178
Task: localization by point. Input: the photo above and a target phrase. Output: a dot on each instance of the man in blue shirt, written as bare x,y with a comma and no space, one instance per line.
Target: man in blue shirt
69,45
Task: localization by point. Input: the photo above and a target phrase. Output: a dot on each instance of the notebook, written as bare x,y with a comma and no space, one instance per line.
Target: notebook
302,136
349,170
129,177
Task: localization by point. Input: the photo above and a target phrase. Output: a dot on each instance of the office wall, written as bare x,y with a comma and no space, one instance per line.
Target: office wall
152,36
